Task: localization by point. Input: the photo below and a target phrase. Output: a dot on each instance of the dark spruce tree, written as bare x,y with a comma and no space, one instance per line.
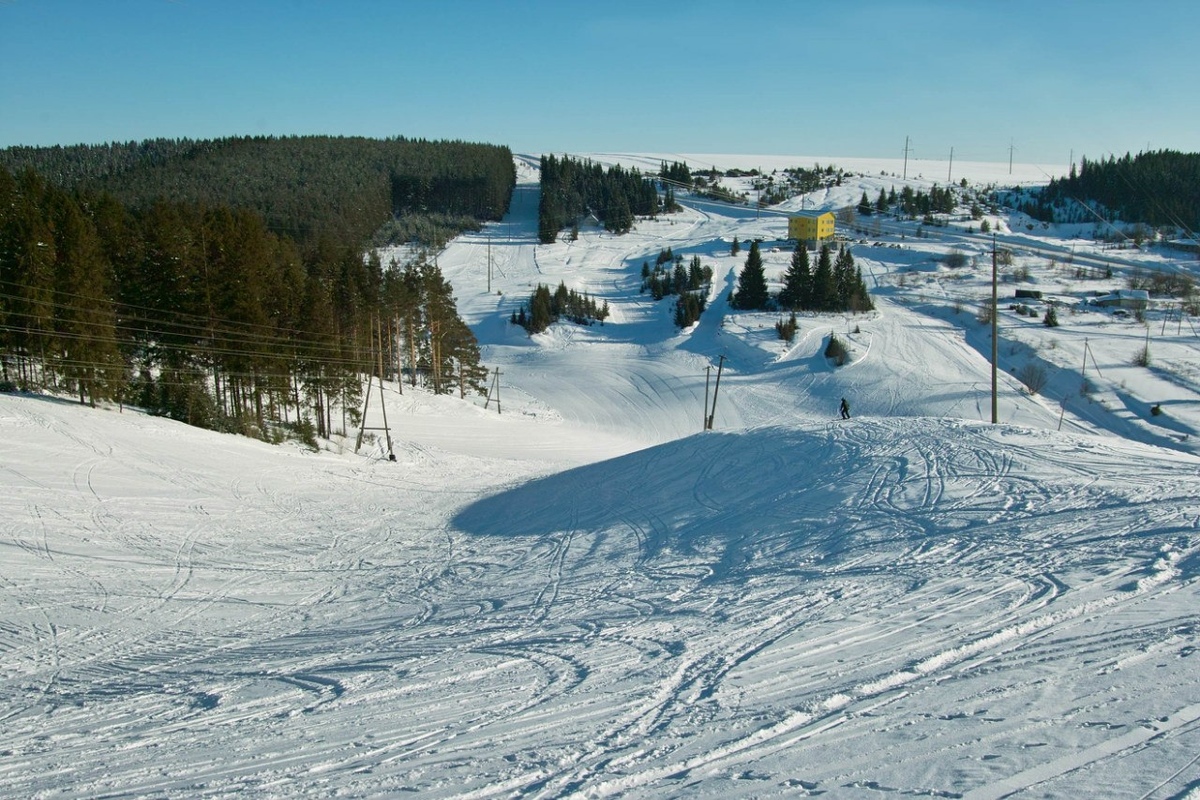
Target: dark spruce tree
864,205
752,292
825,296
797,281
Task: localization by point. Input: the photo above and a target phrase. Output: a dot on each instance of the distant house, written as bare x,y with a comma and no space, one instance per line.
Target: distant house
812,227
1135,299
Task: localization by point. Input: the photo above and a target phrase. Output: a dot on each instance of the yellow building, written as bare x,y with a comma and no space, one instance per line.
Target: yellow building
811,226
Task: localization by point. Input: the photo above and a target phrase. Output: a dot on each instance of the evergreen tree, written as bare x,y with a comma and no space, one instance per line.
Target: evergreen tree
679,279
825,296
85,324
698,274
864,205
28,266
797,281
787,329
541,310
316,372
860,299
736,247
454,351
843,278
752,292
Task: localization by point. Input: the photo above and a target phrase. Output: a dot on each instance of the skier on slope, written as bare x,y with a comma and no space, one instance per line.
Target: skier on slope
845,409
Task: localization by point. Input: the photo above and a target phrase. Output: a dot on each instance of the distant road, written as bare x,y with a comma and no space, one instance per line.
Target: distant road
1013,241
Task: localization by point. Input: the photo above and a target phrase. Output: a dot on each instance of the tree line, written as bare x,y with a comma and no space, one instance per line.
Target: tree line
909,203
1160,188
690,284
305,187
545,308
202,312
572,189
833,286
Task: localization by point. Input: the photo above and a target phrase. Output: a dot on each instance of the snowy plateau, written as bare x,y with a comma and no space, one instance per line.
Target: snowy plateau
587,595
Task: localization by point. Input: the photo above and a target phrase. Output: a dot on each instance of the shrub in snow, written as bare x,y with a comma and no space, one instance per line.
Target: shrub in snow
1033,376
837,351
787,328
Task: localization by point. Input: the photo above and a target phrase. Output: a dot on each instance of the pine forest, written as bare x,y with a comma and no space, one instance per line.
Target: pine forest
231,284
572,190
1159,189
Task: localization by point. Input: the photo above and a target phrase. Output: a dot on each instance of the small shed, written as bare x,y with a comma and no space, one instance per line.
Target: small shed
1133,299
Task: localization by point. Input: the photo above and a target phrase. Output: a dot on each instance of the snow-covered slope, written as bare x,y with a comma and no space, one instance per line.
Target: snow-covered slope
587,596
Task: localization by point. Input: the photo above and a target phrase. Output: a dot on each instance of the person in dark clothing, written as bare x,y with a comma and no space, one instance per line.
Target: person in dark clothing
845,409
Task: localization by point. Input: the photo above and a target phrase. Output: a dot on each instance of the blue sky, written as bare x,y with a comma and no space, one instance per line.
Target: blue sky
842,78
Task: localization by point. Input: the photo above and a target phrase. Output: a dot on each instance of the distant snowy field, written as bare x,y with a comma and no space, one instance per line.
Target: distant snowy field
587,596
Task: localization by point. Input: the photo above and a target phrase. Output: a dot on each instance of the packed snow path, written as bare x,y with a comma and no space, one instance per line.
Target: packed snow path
937,608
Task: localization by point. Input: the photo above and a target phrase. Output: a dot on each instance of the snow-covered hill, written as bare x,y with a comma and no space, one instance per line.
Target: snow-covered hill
588,596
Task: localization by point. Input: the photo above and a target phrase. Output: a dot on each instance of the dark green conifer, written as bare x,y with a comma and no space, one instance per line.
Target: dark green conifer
796,293
824,283
752,282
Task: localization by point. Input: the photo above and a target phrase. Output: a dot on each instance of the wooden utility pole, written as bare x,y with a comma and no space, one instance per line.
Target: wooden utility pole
995,336
377,340
906,158
950,169
716,388
1083,374
707,375
394,343
494,388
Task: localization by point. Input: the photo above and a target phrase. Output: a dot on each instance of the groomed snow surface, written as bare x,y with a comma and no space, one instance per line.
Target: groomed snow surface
587,596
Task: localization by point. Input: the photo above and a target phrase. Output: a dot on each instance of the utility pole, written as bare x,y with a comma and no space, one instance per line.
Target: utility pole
950,168
377,340
394,343
707,374
906,158
494,388
716,388
1011,148
995,336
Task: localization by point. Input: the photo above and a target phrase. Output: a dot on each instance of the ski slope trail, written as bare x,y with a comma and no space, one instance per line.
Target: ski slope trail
927,606
584,596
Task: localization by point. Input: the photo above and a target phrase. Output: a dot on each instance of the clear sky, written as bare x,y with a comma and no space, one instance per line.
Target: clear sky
1049,78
